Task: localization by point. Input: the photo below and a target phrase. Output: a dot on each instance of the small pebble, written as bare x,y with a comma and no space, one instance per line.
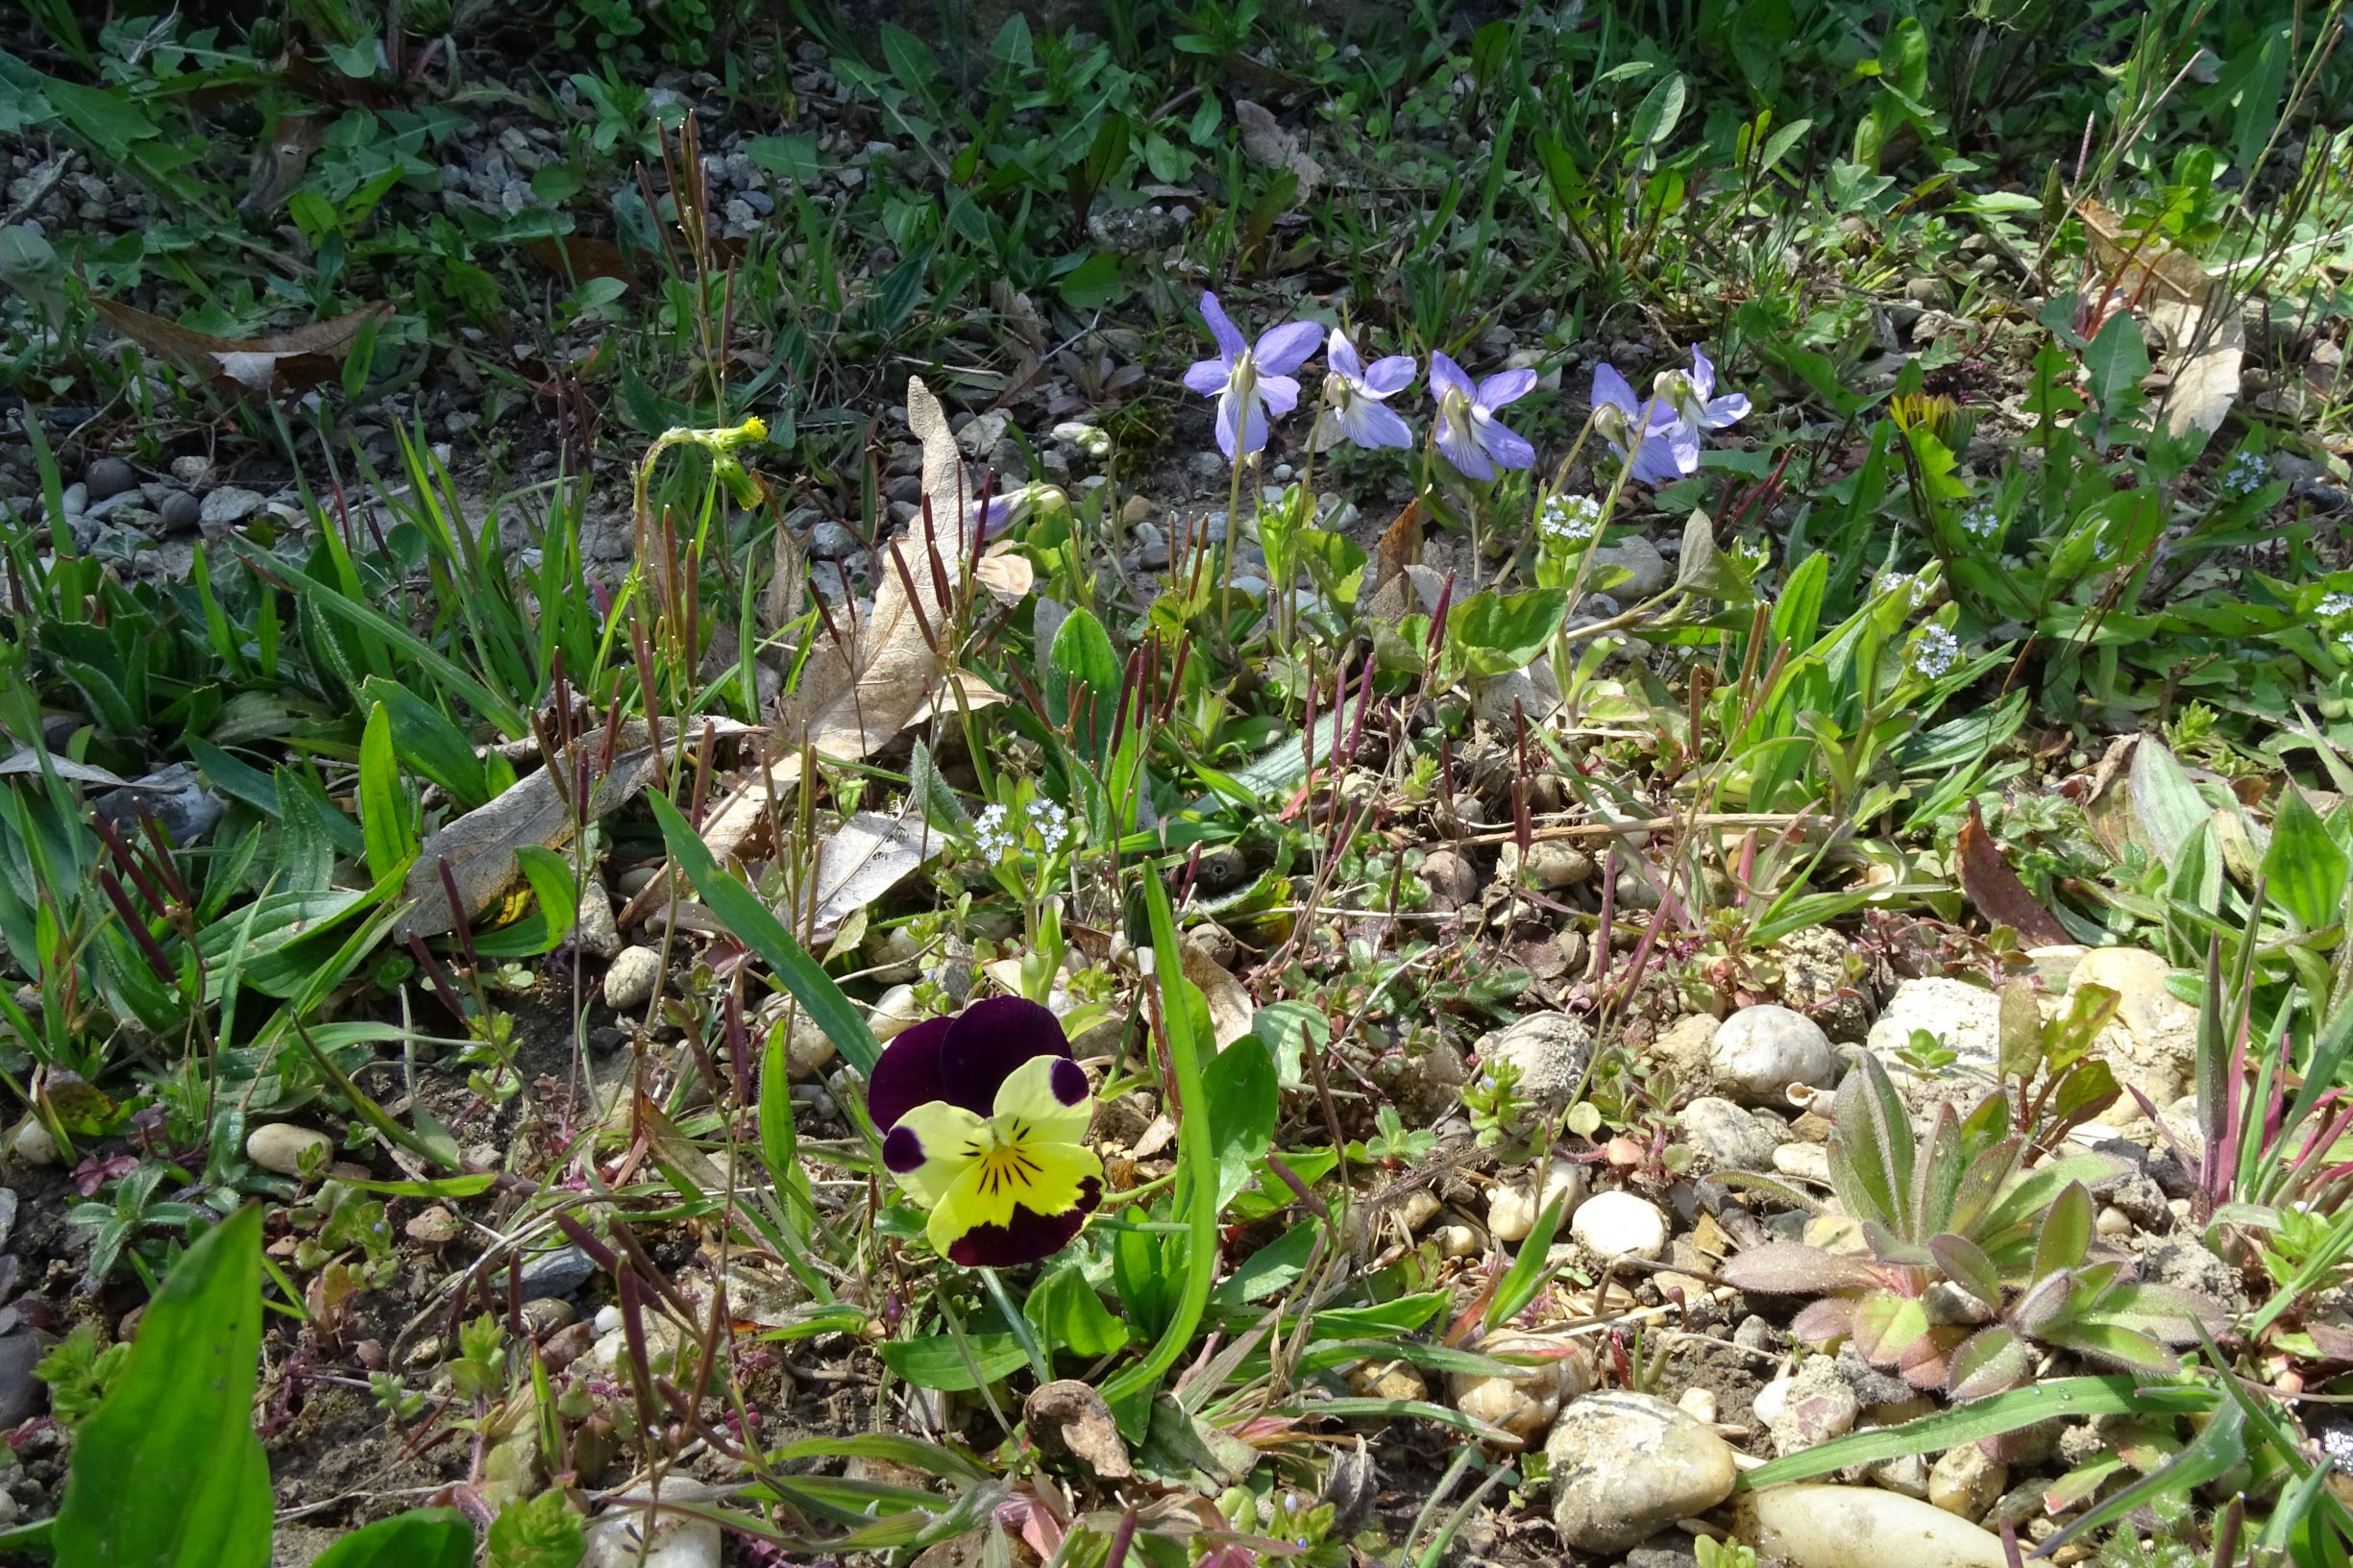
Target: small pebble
109,476
630,981
281,1146
1620,1224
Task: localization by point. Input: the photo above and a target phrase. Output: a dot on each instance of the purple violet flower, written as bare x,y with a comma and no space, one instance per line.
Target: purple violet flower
1467,431
1691,395
1665,449
1248,382
1352,409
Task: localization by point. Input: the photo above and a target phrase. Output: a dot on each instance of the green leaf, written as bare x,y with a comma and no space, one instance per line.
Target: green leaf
1273,1267
935,1360
755,925
1663,105
424,738
2066,1232
1526,1276
383,818
176,1433
420,1538
555,905
536,1532
1490,634
2115,361
1083,682
791,158
1244,1104
1069,1316
2304,870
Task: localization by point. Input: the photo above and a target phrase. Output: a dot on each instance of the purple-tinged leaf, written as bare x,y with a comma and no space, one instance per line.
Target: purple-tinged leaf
1966,1264
2066,1232
1994,1359
1824,1321
1886,1325
1791,1268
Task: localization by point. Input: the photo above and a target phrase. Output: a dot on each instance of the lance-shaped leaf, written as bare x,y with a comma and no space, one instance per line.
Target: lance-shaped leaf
1993,1359
1791,1268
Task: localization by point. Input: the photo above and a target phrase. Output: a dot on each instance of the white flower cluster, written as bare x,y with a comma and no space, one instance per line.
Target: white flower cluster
2248,473
1981,522
1051,823
992,835
2333,605
1897,582
1935,651
1569,519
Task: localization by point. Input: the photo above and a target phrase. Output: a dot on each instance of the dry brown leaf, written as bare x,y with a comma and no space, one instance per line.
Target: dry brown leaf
1073,1414
1270,145
1401,544
297,360
1006,574
1999,894
865,857
2205,339
278,164
867,677
575,258
1231,1009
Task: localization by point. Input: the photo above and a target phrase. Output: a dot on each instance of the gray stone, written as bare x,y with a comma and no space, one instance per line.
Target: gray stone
1640,557
1451,881
979,438
557,1272
831,541
229,505
1732,1136
1965,1019
1551,1050
1625,1466
109,476
23,1395
596,934
1762,1052
630,983
1929,293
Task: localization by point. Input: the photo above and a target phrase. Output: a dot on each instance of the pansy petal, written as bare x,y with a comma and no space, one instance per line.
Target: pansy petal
1728,409
1045,1180
1342,356
1455,444
908,1073
1231,345
1507,445
1445,375
1207,377
932,1144
1702,373
1505,387
1281,392
1391,376
1047,1098
1283,349
988,1041
1612,389
1370,425
1027,1238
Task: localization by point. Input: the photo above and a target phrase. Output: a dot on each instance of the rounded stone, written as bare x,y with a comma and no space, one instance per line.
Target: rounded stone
1620,1225
1732,1136
1449,880
1762,1051
894,1013
1514,1208
1550,1049
109,476
1625,1466
179,511
1966,1483
1523,1401
808,1051
281,1146
630,981
34,1145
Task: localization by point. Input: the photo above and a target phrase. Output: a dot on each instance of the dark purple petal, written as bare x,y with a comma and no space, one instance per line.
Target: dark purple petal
986,1042
1445,375
1069,1082
902,1151
1505,387
1028,1237
1283,349
1231,345
1391,375
908,1074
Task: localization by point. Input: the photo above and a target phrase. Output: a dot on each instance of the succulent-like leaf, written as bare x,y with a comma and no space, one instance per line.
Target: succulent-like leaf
1994,1359
2114,1344
2066,1232
1966,1264
1791,1268
2164,1311
1823,1321
1886,1325
1870,1146
1937,1184
2044,1304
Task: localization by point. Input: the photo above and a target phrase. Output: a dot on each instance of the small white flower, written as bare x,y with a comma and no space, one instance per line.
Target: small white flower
2345,640
1934,652
992,835
1981,522
1897,582
1050,823
2337,1443
1569,519
2248,473
2333,605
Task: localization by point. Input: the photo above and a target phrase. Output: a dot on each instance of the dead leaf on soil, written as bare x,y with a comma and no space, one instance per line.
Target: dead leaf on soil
1007,575
869,674
1999,894
865,857
1401,545
295,360
1271,146
2205,338
577,257
279,165
1072,1412
1231,1009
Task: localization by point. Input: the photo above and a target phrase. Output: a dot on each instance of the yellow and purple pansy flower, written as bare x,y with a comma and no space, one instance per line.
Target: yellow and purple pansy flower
983,1117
